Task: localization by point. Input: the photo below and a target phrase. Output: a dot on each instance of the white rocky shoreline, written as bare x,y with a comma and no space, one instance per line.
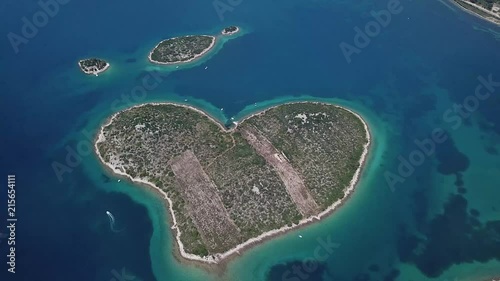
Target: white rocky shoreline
216,258
495,18
93,70
212,44
223,32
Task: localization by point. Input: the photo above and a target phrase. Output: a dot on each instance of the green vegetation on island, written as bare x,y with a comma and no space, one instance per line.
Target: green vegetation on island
230,30
93,65
486,9
487,4
273,169
181,49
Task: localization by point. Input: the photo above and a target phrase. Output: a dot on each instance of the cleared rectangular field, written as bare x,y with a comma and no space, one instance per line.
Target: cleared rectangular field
205,206
293,182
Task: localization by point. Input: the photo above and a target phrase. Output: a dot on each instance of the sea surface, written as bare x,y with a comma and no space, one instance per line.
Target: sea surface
427,206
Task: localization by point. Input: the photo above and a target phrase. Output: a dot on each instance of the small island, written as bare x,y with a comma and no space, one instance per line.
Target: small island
229,188
230,30
181,49
486,9
93,66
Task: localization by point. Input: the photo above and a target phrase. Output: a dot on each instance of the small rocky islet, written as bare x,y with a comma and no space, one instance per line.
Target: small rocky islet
93,66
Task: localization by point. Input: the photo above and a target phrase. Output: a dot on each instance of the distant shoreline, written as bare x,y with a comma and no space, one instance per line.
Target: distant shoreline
493,19
212,44
264,236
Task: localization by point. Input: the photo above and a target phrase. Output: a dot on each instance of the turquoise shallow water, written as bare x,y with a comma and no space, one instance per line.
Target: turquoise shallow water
441,221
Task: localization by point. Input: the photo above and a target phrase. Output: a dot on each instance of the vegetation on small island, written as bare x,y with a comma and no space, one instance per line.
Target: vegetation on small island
181,49
230,30
486,9
273,169
93,65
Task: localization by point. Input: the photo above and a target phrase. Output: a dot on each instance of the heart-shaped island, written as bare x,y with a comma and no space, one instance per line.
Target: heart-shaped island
228,188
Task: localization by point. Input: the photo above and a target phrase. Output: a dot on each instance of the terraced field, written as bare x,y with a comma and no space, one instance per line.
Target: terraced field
227,186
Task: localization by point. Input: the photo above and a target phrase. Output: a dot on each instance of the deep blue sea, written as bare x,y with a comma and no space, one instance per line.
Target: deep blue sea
427,82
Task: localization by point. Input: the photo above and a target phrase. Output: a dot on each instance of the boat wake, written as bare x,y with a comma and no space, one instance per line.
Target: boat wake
112,222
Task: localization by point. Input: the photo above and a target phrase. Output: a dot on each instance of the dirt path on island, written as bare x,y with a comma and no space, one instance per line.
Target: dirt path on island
206,209
292,180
